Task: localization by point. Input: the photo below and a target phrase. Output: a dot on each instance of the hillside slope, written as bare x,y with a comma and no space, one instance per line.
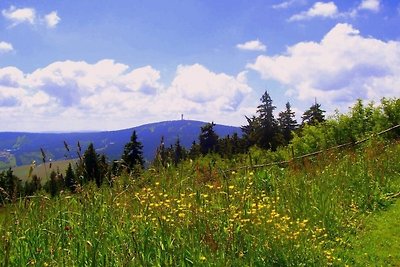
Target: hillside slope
19,148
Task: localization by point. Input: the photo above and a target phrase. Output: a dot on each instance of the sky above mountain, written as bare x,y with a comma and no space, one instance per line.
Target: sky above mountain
104,65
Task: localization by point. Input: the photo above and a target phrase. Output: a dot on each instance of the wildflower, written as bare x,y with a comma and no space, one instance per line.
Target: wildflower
202,258
231,186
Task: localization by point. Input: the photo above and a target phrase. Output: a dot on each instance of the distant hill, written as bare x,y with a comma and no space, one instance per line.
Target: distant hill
20,148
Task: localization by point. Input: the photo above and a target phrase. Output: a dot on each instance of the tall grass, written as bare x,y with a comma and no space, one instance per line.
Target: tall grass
196,214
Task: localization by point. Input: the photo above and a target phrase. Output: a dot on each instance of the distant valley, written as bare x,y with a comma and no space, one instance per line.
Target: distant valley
21,148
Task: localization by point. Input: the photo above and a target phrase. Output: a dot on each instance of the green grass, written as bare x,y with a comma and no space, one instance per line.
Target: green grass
310,213
22,172
378,244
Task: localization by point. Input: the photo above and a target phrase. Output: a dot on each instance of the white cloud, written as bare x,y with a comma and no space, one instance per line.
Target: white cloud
52,19
319,9
340,68
371,5
254,45
19,15
28,15
287,4
283,5
5,47
76,95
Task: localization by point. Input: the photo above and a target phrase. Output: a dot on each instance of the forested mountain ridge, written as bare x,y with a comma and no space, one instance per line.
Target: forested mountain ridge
21,148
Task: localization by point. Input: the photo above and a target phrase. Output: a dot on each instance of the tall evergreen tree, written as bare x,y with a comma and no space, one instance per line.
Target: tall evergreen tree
70,180
313,115
133,153
208,139
179,152
90,159
287,123
268,123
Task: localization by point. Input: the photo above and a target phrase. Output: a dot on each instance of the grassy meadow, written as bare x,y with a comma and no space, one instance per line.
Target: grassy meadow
312,212
41,170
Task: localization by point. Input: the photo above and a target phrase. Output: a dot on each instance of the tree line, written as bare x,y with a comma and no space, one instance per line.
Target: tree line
262,130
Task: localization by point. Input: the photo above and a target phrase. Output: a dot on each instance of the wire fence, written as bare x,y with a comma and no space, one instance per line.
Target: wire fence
314,153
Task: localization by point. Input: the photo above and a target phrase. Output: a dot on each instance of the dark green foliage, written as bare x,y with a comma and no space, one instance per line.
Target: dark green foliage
287,123
263,130
251,131
194,151
31,187
10,187
313,115
55,184
70,179
133,154
268,123
90,160
179,152
230,146
208,139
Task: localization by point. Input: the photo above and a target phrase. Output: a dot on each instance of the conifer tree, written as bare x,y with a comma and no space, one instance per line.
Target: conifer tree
194,151
53,184
251,131
287,123
90,159
208,139
268,124
133,154
313,115
179,152
70,180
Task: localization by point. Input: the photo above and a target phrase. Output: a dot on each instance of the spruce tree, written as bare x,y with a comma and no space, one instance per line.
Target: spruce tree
179,152
70,180
208,139
287,123
313,115
90,159
268,124
133,153
251,131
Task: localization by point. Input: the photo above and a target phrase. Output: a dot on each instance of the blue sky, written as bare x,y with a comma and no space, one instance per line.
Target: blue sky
105,65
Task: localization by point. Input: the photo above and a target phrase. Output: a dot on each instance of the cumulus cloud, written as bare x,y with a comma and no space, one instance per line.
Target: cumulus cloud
198,85
52,19
5,47
20,15
340,68
28,15
254,45
75,95
319,9
371,5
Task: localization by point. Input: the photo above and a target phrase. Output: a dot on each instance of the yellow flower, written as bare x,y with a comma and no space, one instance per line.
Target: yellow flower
202,258
231,186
